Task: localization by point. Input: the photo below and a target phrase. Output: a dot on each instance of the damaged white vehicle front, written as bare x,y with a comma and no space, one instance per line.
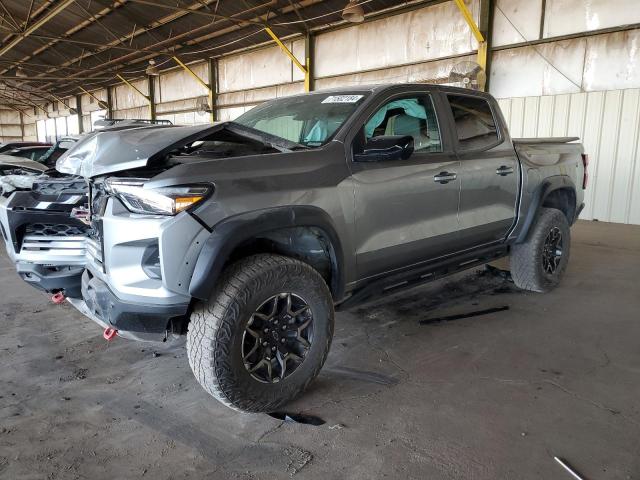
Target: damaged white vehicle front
42,228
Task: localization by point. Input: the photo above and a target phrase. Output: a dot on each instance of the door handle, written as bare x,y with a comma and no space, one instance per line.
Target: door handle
444,177
504,170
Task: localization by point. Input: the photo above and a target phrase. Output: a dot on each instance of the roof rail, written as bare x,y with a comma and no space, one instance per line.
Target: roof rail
109,122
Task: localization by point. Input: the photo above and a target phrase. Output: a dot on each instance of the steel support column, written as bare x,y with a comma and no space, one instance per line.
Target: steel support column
109,103
309,50
213,88
79,113
152,96
487,9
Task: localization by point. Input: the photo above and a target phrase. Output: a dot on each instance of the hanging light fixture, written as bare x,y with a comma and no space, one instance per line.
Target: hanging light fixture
20,73
152,69
353,12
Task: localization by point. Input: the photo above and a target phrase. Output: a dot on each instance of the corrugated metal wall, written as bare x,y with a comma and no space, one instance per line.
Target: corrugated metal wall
609,125
10,126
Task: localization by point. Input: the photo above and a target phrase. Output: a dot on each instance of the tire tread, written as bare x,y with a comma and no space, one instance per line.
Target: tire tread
526,269
212,323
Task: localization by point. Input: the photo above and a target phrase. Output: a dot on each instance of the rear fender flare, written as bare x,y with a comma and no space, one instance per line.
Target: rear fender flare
232,232
547,186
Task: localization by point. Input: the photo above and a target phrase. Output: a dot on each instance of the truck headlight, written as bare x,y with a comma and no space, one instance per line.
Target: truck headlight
156,201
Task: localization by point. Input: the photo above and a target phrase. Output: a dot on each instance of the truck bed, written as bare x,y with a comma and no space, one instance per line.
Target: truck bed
544,140
545,152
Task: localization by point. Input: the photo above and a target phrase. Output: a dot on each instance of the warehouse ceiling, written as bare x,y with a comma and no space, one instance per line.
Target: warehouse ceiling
53,47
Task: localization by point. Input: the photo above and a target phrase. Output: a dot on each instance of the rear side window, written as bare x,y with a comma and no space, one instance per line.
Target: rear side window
475,125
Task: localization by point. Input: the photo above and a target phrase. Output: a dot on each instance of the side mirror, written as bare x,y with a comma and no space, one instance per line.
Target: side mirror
385,148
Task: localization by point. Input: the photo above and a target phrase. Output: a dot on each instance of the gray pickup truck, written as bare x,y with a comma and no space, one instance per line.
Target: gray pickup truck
247,235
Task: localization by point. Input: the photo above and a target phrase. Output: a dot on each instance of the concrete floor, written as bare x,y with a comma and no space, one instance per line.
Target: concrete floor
487,397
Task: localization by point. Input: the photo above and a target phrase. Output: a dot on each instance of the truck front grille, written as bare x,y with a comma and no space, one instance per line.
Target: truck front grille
54,230
54,250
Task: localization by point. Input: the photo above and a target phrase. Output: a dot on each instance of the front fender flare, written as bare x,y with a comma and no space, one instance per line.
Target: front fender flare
233,231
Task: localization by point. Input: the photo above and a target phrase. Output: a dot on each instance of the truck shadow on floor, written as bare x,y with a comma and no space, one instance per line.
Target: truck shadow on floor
418,302
366,356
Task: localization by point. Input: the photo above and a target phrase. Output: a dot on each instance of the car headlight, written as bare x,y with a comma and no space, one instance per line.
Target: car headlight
156,201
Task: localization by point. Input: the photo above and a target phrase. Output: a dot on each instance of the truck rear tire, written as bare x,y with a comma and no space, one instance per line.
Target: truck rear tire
264,334
539,263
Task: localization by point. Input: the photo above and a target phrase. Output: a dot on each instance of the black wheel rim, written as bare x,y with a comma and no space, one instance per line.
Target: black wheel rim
277,338
552,251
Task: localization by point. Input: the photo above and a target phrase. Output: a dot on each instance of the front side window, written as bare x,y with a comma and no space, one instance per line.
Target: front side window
413,116
475,125
310,120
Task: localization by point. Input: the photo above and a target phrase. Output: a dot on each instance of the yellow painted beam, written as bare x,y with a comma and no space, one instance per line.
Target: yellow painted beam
482,55
288,53
470,21
482,42
35,105
60,100
132,86
19,111
91,95
41,108
193,74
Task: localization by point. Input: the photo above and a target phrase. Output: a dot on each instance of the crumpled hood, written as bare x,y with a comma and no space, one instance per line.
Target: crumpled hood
20,162
112,151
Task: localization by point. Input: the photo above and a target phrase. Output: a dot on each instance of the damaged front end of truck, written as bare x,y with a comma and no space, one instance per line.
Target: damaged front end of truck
144,234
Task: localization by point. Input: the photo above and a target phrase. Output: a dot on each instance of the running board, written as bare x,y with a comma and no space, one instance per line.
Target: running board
424,273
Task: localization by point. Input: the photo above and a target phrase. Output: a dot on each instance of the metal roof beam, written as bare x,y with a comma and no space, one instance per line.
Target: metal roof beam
54,40
35,25
173,42
45,78
104,46
170,44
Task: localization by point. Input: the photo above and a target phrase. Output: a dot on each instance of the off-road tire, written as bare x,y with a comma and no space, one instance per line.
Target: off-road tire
214,339
527,268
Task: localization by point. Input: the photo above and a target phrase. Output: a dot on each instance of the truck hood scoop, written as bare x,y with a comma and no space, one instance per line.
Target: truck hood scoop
108,152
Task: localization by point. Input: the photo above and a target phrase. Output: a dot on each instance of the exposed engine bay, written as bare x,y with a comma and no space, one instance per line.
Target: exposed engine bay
157,148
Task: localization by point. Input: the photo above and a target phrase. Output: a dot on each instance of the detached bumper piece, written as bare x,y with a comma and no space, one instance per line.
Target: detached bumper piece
45,236
46,214
135,321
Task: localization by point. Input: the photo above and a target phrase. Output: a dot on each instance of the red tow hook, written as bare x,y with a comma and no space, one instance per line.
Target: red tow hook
58,298
109,333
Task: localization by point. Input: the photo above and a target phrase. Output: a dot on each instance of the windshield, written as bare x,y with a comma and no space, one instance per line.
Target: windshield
309,120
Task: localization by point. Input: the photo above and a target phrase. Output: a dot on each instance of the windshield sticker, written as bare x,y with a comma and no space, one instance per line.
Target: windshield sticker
342,99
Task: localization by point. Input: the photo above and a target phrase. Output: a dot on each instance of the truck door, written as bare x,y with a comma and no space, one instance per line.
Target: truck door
488,171
406,209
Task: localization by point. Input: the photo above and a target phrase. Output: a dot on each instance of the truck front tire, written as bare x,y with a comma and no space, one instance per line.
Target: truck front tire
539,263
264,334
